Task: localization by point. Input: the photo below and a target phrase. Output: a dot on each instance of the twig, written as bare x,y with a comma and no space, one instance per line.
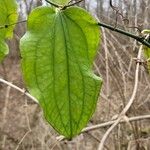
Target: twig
70,1
18,89
138,38
106,124
22,139
127,107
118,13
53,4
69,5
7,25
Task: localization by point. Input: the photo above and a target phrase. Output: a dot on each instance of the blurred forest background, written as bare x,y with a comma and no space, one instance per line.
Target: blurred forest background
22,126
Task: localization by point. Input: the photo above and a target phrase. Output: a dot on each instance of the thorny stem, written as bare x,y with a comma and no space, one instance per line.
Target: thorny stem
138,38
65,6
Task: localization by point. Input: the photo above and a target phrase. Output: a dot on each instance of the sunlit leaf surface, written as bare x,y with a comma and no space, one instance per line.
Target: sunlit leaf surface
58,51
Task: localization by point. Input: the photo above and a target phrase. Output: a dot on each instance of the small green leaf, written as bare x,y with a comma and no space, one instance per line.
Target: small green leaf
147,52
58,51
8,16
3,50
146,31
147,56
147,49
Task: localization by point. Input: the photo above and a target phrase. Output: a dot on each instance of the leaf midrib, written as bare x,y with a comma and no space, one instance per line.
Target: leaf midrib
53,61
68,73
83,81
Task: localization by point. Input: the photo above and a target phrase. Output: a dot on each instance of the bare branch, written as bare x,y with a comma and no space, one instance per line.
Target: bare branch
18,89
53,4
118,13
69,5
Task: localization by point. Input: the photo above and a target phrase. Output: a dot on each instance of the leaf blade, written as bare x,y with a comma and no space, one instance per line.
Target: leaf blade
8,16
55,54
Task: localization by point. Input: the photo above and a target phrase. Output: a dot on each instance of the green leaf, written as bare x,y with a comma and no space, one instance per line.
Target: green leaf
147,49
147,52
60,2
147,56
146,31
8,16
58,51
3,50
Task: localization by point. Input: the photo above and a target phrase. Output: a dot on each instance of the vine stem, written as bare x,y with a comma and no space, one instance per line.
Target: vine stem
138,38
7,25
127,107
65,6
135,118
23,91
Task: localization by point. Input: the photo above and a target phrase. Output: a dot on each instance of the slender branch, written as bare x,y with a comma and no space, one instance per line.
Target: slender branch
53,4
109,123
18,89
69,5
70,1
22,139
138,38
7,25
118,13
79,1
95,127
